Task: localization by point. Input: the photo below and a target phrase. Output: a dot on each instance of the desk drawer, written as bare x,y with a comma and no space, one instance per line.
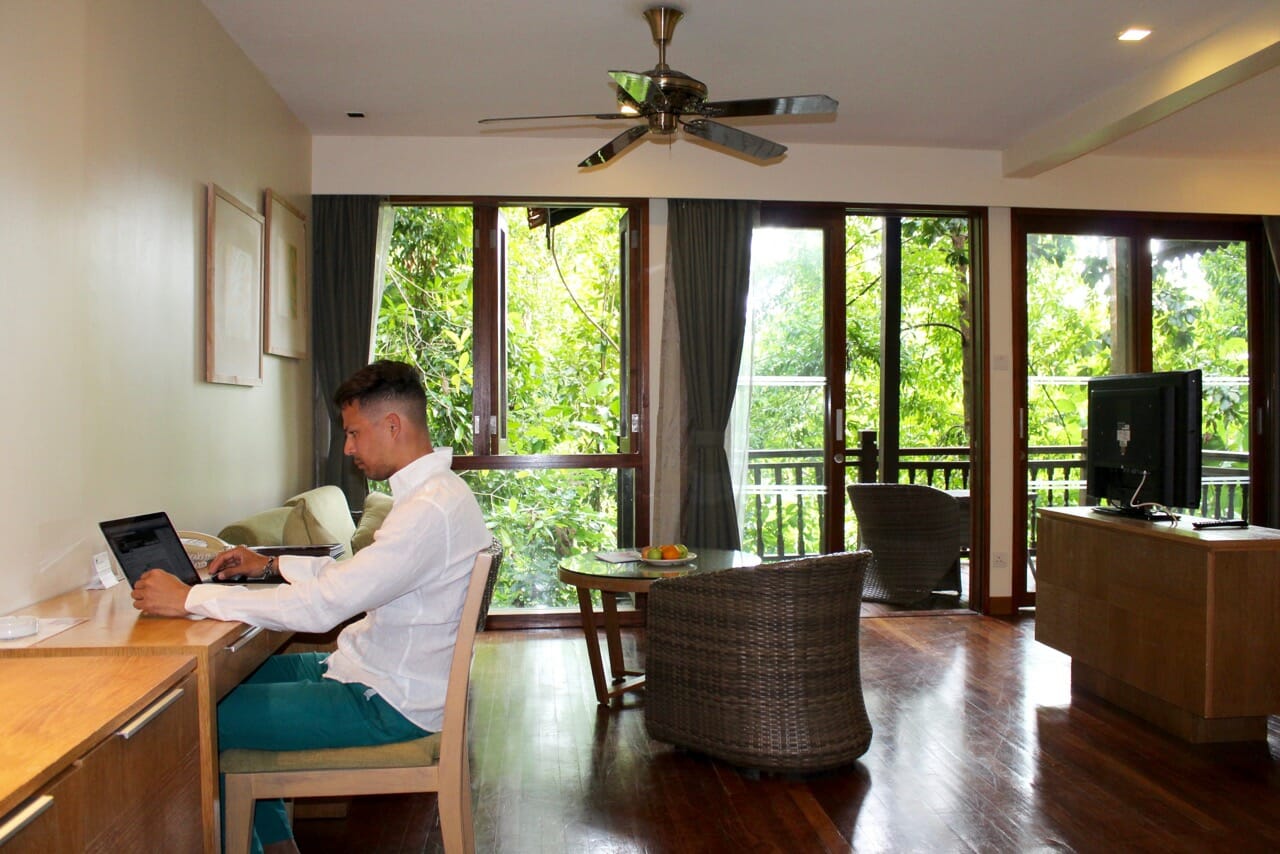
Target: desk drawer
135,792
241,656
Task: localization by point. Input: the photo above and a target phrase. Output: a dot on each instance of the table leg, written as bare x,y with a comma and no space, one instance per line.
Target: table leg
593,645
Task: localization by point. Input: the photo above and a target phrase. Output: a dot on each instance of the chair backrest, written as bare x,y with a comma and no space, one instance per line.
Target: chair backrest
910,511
453,732
495,552
915,532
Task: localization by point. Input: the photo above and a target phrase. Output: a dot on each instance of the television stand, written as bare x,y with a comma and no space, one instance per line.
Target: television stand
1135,513
1176,625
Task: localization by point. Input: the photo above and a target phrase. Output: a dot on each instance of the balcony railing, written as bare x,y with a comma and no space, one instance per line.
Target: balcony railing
785,488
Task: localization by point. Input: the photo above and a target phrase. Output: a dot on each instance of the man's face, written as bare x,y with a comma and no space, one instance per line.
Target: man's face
369,440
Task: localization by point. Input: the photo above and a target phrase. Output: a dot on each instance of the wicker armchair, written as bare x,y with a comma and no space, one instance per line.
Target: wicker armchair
915,534
759,667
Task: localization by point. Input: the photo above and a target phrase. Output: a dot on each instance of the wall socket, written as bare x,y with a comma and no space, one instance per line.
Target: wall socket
1000,560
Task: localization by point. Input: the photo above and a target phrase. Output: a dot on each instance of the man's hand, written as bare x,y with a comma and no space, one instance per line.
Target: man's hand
160,594
237,561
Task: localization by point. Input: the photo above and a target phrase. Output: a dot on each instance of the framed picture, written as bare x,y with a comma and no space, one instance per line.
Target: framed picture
233,291
287,303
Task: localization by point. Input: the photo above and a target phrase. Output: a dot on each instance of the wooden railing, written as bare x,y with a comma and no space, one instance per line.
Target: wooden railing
785,488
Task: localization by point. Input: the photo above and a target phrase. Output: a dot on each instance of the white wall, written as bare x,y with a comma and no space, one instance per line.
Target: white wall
513,165
114,115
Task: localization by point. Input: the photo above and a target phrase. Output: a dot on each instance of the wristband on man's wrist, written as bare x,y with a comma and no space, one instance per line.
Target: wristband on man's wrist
270,568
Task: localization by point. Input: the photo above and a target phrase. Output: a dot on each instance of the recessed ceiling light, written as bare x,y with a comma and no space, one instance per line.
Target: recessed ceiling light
355,115
1134,34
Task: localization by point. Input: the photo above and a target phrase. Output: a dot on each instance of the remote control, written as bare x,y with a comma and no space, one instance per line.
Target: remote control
1221,523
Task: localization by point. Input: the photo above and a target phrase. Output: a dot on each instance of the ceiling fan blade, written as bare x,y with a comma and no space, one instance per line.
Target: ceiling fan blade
565,116
615,146
751,145
637,86
791,105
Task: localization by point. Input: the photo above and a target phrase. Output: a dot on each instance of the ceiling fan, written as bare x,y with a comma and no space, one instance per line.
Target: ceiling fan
668,99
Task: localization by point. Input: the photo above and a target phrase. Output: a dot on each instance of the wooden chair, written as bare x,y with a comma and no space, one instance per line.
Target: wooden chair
437,763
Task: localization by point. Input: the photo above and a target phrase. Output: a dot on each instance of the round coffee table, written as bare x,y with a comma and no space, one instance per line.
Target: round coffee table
586,572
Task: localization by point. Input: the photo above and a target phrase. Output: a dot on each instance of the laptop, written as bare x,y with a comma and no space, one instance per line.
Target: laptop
149,541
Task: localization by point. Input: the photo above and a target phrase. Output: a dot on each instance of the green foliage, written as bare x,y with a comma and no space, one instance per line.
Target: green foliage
425,316
563,370
1198,321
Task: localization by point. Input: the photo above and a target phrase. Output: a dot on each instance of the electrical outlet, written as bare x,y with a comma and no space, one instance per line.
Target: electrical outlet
1000,560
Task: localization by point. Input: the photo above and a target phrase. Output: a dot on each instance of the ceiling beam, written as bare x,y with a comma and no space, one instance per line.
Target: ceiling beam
1230,56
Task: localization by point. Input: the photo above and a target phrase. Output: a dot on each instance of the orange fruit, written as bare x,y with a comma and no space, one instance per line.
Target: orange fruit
670,553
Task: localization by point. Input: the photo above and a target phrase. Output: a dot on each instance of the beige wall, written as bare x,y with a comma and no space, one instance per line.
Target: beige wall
521,165
114,115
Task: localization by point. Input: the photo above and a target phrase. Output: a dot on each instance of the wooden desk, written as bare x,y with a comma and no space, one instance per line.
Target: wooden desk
586,572
224,652
99,754
1180,627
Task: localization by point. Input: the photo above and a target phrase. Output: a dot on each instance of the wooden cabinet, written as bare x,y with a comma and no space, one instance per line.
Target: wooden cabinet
1181,627
224,652
99,754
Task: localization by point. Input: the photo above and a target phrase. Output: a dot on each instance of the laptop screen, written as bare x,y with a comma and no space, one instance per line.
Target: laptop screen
148,542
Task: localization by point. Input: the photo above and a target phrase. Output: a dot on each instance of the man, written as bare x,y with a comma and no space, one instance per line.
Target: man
386,681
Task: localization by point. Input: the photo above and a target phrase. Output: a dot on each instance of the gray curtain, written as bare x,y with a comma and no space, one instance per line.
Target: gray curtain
344,247
710,251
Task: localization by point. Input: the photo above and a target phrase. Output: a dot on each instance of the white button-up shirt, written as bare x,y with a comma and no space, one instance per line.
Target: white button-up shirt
411,582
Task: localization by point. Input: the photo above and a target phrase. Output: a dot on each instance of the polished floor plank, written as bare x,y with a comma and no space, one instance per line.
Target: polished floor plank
979,746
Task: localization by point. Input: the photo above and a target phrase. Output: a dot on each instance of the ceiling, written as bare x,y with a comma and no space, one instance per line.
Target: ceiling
1041,82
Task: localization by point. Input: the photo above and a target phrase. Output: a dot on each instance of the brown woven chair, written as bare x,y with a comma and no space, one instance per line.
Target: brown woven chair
915,534
759,667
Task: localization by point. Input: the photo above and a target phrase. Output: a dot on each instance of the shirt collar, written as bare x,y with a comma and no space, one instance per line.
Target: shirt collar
420,471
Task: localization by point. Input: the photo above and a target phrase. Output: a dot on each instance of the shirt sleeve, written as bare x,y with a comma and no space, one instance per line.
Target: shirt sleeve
323,592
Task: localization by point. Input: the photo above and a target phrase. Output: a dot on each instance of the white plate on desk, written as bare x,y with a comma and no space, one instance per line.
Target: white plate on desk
12,628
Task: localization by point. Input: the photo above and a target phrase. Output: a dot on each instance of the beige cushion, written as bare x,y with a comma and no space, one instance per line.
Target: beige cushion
376,507
401,754
261,529
302,528
321,516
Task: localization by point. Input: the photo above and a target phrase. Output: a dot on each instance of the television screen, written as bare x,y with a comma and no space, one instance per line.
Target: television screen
1142,447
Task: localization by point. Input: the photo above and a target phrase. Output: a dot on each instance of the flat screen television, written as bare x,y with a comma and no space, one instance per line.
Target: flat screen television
1142,448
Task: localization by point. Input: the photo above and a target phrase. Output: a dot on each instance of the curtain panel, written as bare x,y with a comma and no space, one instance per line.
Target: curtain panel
710,256
344,270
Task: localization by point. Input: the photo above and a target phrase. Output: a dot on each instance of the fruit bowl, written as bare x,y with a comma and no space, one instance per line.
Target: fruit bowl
677,561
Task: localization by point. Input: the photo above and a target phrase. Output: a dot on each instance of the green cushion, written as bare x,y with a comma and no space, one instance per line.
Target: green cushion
376,507
401,754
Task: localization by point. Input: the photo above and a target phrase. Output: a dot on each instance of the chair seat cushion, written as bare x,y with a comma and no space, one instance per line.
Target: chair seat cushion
400,754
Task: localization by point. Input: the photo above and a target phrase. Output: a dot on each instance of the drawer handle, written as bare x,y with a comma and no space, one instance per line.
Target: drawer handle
151,713
240,642
25,816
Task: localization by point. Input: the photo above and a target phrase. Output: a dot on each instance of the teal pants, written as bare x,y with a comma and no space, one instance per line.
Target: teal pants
287,704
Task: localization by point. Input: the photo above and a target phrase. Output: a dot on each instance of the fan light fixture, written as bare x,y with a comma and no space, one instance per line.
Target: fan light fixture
670,100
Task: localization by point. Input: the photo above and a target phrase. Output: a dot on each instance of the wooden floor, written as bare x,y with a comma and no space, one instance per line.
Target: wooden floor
979,746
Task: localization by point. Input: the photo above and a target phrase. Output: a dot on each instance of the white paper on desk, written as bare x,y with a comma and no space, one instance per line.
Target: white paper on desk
623,556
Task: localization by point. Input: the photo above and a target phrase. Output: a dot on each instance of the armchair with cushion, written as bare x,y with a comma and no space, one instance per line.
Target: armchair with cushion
915,534
759,667
313,517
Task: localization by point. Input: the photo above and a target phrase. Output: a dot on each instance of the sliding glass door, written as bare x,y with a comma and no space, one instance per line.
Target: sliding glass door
857,366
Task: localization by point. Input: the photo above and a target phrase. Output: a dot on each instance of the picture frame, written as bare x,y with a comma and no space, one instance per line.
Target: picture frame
233,290
287,302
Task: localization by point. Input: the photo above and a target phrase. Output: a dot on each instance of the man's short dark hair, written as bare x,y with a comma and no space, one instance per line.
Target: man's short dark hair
386,382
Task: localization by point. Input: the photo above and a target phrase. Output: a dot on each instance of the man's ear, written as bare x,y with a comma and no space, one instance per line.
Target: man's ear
393,423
